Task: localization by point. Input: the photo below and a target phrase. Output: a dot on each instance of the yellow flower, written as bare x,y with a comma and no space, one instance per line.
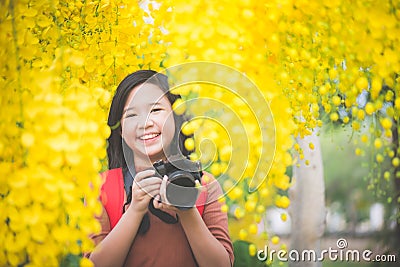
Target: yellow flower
356,125
311,146
235,193
334,116
386,175
364,138
275,240
260,209
224,208
322,90
194,156
378,143
215,169
336,100
257,218
252,250
85,262
239,213
243,234
362,83
396,162
253,229
250,205
189,144
179,106
282,202
379,158
386,123
361,114
27,139
265,192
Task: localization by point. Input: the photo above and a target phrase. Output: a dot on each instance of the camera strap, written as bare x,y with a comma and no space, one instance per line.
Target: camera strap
128,181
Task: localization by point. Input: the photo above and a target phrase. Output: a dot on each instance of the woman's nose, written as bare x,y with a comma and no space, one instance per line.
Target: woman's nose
146,122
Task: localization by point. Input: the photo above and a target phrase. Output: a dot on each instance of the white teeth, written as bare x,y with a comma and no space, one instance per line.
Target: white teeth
148,136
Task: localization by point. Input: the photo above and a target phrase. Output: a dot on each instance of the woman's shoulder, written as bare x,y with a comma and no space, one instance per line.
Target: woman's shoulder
111,174
214,190
114,171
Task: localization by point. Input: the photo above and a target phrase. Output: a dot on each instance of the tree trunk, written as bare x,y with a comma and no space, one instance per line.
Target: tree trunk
395,131
307,209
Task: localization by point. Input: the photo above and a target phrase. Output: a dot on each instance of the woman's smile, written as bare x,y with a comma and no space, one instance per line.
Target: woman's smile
149,136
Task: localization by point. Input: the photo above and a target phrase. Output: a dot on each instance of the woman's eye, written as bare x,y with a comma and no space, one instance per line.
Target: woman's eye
156,109
130,115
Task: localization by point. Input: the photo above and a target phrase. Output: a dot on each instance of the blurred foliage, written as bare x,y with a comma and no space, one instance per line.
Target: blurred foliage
242,252
347,176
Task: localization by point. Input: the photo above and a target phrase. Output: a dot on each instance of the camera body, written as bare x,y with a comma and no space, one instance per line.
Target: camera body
182,174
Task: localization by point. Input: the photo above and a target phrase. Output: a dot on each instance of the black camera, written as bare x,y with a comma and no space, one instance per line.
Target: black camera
182,175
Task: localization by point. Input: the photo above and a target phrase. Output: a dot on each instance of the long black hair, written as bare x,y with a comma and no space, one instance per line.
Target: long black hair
115,150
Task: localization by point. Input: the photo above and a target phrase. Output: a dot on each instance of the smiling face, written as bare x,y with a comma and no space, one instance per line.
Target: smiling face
148,125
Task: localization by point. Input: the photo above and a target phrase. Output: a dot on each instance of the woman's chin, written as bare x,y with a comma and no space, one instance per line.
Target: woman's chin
154,154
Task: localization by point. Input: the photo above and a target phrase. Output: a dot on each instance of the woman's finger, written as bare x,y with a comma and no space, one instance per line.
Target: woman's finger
153,192
163,190
137,192
144,174
149,181
157,202
149,188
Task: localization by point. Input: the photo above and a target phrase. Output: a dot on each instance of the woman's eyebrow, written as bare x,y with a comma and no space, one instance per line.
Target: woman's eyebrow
154,103
127,109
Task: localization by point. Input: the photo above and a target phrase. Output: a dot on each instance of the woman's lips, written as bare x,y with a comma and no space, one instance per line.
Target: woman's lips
149,138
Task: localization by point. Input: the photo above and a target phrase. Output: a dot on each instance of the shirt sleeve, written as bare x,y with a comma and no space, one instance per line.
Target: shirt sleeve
214,218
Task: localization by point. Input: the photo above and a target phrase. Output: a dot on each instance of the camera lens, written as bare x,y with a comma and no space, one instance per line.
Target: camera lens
181,191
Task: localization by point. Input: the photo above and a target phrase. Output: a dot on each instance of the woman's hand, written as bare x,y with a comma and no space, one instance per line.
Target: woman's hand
145,186
161,202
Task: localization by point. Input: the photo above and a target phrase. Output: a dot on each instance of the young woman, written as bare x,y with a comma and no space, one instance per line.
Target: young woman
152,232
